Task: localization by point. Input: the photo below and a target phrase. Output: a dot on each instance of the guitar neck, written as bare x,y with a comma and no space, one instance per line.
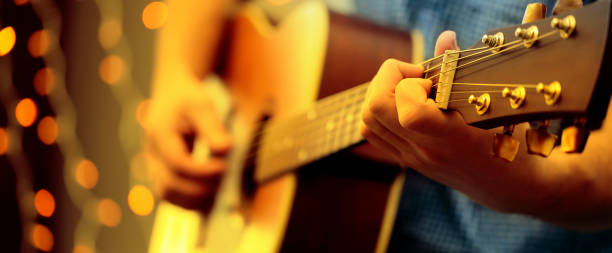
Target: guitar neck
331,125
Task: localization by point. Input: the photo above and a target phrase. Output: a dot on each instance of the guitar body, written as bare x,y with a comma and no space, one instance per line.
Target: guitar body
340,203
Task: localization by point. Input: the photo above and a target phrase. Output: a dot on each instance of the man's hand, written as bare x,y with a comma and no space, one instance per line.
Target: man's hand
179,113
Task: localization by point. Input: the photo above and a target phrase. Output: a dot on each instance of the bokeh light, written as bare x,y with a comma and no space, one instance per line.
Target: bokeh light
26,112
44,81
109,213
140,200
109,33
4,141
7,40
80,248
44,203
47,130
279,2
141,111
154,15
21,2
86,174
39,43
111,69
42,238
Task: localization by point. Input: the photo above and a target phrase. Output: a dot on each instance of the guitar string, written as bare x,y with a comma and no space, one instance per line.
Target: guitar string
490,55
484,50
462,66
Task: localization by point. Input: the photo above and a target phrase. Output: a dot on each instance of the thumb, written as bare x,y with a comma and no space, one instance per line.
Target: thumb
446,41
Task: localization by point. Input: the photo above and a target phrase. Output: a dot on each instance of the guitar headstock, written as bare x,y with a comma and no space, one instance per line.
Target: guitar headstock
552,68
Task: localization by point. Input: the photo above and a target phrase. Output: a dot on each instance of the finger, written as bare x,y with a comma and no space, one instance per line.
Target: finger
415,112
384,133
209,126
184,192
391,72
379,143
446,41
172,150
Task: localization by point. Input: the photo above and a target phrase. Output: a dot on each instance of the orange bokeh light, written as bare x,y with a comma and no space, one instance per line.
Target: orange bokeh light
109,33
86,174
44,81
109,213
47,130
21,2
42,238
4,142
7,40
39,43
44,203
154,15
80,248
140,200
26,112
111,69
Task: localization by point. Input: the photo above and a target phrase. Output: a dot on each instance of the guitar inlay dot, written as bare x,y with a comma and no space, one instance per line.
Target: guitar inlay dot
329,126
349,118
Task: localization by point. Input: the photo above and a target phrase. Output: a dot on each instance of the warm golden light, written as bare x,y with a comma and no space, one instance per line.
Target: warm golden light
140,200
80,248
44,203
109,213
44,81
26,112
141,111
111,69
86,174
154,15
21,2
47,130
279,2
4,142
39,43
7,40
42,238
109,33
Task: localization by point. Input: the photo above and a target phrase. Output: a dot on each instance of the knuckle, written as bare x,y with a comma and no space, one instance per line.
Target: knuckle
389,63
410,118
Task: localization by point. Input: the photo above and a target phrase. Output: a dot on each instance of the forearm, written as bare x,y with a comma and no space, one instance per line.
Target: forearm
570,190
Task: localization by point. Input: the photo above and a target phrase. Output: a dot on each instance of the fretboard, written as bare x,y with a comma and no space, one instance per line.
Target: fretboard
331,125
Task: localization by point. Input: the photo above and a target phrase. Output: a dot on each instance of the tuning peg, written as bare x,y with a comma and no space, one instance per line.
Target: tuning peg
565,25
504,145
533,12
540,141
574,137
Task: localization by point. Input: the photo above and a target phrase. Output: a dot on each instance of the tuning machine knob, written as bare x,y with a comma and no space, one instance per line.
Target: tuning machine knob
504,145
539,140
565,25
528,35
516,96
481,103
494,41
551,92
574,136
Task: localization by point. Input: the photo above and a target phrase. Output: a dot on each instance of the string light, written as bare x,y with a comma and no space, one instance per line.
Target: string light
4,141
154,15
7,40
140,200
44,80
26,112
111,69
21,2
109,213
86,174
109,33
44,203
42,238
47,130
80,248
39,43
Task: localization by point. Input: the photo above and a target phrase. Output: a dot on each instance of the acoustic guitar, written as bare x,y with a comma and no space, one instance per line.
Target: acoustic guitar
292,186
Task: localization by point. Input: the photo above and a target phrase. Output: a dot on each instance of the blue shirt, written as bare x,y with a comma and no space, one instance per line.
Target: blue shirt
435,218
